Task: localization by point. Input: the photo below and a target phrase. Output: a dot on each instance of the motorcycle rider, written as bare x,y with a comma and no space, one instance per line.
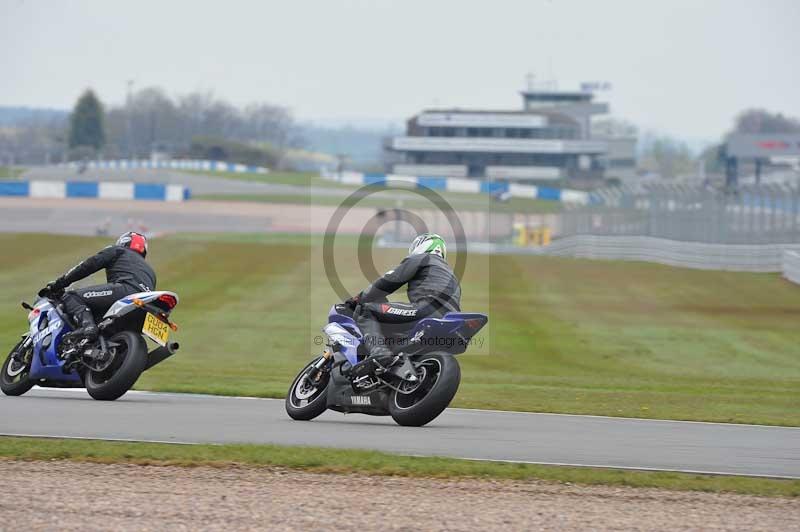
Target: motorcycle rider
433,290
127,273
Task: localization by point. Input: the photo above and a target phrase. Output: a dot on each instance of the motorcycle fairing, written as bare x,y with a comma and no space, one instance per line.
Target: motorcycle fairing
126,304
47,327
343,398
454,329
348,342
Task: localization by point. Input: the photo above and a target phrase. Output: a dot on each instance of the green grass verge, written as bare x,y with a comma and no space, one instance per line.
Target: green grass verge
326,460
303,179
568,336
11,172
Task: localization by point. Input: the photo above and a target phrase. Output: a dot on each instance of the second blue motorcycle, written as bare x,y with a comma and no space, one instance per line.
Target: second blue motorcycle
414,387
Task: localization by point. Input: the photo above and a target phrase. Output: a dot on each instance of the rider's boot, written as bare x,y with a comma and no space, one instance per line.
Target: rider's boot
88,328
379,356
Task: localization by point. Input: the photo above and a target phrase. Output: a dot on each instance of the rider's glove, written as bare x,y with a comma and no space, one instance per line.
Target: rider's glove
48,290
353,301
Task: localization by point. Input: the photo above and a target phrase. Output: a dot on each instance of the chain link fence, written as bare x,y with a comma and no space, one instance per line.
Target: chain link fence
757,214
697,255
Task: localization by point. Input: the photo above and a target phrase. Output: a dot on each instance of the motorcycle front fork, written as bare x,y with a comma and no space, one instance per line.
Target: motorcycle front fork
315,371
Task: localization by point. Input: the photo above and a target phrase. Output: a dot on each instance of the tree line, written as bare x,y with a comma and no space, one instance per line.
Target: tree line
151,121
202,126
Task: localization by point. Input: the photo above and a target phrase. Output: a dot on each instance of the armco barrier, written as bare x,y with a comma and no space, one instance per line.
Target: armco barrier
460,184
749,258
791,265
173,164
94,189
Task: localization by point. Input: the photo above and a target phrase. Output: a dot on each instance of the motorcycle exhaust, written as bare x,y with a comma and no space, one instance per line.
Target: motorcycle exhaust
158,355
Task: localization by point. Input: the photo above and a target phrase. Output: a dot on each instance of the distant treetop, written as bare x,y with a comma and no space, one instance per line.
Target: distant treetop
762,121
86,128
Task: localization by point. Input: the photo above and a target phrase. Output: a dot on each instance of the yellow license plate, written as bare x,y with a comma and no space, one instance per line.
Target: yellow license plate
156,330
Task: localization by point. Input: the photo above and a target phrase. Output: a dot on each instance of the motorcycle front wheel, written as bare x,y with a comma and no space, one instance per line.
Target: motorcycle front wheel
14,378
419,403
308,398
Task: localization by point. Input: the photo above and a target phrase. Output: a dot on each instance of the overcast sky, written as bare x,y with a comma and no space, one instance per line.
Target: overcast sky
682,67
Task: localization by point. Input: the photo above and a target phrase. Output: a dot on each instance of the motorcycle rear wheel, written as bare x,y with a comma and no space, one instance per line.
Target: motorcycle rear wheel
130,359
19,383
440,376
315,395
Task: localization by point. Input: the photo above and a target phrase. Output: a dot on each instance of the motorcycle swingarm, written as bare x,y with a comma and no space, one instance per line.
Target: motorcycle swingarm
403,371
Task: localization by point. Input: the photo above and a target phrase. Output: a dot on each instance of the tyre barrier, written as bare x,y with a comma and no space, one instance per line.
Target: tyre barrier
95,189
463,185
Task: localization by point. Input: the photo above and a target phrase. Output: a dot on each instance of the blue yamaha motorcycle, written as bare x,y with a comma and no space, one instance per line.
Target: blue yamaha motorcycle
414,386
107,367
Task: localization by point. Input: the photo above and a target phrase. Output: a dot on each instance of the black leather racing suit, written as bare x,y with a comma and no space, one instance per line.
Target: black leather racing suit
126,272
433,290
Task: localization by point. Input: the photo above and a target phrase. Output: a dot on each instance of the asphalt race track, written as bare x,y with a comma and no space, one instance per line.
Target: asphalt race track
475,434
112,217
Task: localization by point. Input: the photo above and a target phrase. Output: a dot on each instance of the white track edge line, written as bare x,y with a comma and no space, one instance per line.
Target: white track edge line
627,468
94,438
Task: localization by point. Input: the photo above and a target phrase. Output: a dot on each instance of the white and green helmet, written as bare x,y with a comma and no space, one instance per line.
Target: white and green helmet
428,243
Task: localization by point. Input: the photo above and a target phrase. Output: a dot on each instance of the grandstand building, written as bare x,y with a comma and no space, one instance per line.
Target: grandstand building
548,139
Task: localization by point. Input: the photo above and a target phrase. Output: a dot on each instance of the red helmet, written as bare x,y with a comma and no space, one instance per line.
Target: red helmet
135,241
